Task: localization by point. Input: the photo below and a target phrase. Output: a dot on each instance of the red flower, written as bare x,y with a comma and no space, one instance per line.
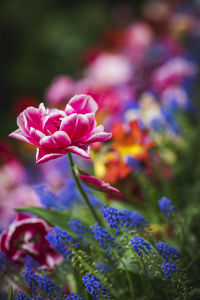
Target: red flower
26,235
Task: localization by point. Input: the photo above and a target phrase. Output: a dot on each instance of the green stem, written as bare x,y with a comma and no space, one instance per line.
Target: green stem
82,192
129,279
193,261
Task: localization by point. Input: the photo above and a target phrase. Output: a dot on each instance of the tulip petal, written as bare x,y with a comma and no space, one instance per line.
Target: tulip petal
77,126
68,124
47,142
81,104
44,155
82,151
22,122
99,137
97,184
19,135
61,139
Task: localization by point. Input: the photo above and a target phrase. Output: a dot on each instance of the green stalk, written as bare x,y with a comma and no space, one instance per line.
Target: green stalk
82,192
193,261
129,279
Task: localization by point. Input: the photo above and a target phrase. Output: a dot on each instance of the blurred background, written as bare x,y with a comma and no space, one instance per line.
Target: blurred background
42,39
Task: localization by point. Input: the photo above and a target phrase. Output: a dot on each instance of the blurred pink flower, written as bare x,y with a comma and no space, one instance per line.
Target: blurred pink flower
12,173
26,235
172,72
60,89
97,184
21,196
57,132
137,40
109,69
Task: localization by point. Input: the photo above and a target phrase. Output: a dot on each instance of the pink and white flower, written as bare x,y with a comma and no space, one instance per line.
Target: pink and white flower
26,235
56,132
97,184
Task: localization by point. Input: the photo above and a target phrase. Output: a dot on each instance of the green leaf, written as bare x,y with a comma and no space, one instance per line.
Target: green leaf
53,217
10,292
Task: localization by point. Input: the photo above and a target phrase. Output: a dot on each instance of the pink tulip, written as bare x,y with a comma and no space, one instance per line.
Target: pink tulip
61,89
26,235
97,184
56,132
109,70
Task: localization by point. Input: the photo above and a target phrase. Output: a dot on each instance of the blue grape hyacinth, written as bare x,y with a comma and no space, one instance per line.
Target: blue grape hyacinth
167,251
133,219
41,285
167,207
60,240
74,296
78,227
22,296
114,217
140,246
104,238
169,268
94,286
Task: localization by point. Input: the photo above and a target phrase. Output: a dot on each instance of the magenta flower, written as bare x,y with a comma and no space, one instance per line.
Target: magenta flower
27,235
60,89
97,184
56,132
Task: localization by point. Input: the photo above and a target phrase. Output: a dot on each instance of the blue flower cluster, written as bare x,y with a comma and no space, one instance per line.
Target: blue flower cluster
106,241
166,251
113,216
133,162
4,261
60,240
94,287
168,268
133,219
140,246
47,198
21,296
167,207
67,197
116,219
74,296
41,284
30,263
81,231
102,268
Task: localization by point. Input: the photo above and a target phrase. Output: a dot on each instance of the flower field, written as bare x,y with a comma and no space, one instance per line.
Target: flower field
100,178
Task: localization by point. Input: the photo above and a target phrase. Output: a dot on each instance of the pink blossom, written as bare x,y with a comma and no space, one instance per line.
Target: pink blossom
138,38
26,235
60,90
20,196
97,184
56,132
109,69
12,173
172,72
